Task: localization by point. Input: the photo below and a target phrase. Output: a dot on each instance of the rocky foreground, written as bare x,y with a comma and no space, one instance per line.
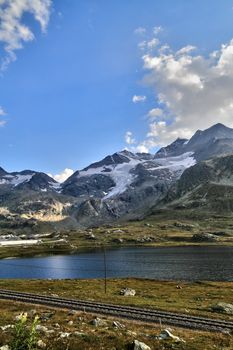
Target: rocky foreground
72,330
77,330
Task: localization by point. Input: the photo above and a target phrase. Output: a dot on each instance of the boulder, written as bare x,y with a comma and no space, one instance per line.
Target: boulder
204,237
167,335
118,325
140,346
128,292
79,334
98,322
223,308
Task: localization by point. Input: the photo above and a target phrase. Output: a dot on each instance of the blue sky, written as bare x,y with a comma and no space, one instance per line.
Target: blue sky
68,95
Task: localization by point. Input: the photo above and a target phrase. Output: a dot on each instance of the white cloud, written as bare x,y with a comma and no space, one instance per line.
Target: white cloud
142,45
2,123
157,30
13,32
138,98
129,138
152,43
140,30
186,49
63,175
154,113
2,112
142,148
148,45
193,91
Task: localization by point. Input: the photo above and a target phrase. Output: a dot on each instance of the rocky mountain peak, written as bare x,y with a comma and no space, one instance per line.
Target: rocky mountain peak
213,141
217,131
174,149
2,172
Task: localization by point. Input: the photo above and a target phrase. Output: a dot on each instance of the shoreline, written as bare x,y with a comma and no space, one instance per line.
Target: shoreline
36,251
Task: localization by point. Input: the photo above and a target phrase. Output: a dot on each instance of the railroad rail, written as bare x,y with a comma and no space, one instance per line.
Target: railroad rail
129,312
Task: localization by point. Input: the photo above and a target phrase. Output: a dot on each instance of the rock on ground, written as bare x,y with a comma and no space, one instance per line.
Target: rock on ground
204,237
223,307
166,334
140,346
64,334
42,329
98,322
41,344
118,325
128,292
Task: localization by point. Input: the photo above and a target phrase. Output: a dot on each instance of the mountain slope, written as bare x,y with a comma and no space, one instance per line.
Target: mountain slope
215,141
195,173
207,185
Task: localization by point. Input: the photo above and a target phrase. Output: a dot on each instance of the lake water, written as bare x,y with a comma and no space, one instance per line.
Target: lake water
160,263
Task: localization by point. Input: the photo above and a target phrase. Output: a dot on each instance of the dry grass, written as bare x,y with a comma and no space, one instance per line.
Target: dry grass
193,297
107,337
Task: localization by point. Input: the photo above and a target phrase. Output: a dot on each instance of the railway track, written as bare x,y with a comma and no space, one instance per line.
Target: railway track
128,312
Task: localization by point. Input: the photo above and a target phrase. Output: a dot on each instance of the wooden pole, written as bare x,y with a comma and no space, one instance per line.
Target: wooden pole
105,271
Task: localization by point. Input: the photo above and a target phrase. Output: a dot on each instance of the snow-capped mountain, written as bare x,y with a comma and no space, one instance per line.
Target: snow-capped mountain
123,186
27,179
117,173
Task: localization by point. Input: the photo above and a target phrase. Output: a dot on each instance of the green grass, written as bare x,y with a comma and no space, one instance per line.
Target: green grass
193,298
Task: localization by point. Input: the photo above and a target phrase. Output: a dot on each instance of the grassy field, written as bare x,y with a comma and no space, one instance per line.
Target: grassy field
192,298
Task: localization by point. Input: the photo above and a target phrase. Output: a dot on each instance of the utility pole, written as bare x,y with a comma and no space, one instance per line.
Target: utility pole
105,271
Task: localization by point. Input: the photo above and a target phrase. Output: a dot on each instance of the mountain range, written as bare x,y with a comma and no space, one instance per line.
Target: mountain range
192,174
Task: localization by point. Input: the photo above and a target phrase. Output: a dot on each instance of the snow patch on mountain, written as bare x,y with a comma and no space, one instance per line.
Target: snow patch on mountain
122,177
55,186
15,180
120,174
183,161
